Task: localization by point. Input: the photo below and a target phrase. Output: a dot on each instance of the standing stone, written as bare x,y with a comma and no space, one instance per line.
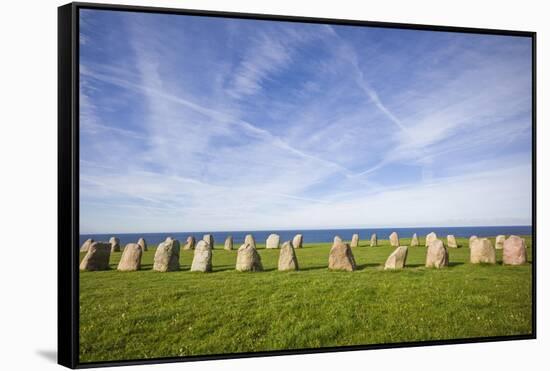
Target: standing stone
86,245
209,239
228,244
167,256
248,259
287,258
202,260
272,241
341,258
373,240
397,258
437,255
337,239
430,238
189,243
514,251
394,239
482,251
115,244
141,242
355,240
250,240
472,238
451,241
414,240
499,242
97,257
297,241
131,258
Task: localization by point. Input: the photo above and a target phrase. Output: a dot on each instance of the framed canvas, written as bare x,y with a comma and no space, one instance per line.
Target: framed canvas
243,185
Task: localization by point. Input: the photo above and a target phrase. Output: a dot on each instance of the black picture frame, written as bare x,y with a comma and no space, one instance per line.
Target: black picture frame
68,175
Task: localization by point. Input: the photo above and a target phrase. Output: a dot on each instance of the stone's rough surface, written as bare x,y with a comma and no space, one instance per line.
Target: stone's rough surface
115,244
437,255
354,240
451,241
202,260
250,240
297,241
472,238
228,244
341,258
167,256
414,240
189,243
86,245
397,258
287,258
514,251
394,239
131,258
272,241
430,238
499,243
248,259
97,257
337,239
373,240
141,242
209,239
482,251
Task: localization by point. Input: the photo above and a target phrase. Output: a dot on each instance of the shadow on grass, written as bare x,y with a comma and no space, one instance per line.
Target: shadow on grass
364,266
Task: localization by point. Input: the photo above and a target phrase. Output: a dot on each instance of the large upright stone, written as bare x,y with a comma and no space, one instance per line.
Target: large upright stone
97,257
514,251
297,241
115,244
482,251
248,259
397,258
430,238
471,240
287,258
437,255
373,240
189,243
451,241
394,239
354,240
141,242
250,240
272,241
202,260
167,256
337,239
499,242
131,258
341,258
209,239
414,240
228,244
86,245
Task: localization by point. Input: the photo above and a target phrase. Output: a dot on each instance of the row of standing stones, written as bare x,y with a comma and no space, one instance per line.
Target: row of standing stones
248,260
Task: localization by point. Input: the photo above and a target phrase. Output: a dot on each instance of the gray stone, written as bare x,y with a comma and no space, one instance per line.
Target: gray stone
341,258
287,258
437,255
209,239
354,240
141,242
499,242
131,258
97,257
297,241
228,244
430,238
86,245
248,259
373,240
414,240
397,259
167,256
451,241
514,251
482,251
189,243
202,259
250,240
337,239
115,244
272,241
471,240
394,239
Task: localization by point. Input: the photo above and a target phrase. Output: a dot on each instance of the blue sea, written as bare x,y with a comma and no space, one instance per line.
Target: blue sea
316,235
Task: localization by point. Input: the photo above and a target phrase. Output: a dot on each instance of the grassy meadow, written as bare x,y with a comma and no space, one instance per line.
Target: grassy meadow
146,314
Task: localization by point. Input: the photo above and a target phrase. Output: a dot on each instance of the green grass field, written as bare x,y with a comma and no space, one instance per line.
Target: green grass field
146,314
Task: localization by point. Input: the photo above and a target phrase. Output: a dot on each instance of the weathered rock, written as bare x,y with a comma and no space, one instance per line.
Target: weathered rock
248,259
430,238
451,241
337,239
373,240
115,244
272,241
209,239
202,260
86,245
394,239
397,258
297,241
228,244
189,243
167,256
514,251
499,242
97,257
131,258
354,240
287,258
250,240
414,240
472,238
482,251
341,257
141,242
437,255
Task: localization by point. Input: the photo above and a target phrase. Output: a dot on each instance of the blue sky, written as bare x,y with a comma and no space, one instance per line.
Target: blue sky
195,123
